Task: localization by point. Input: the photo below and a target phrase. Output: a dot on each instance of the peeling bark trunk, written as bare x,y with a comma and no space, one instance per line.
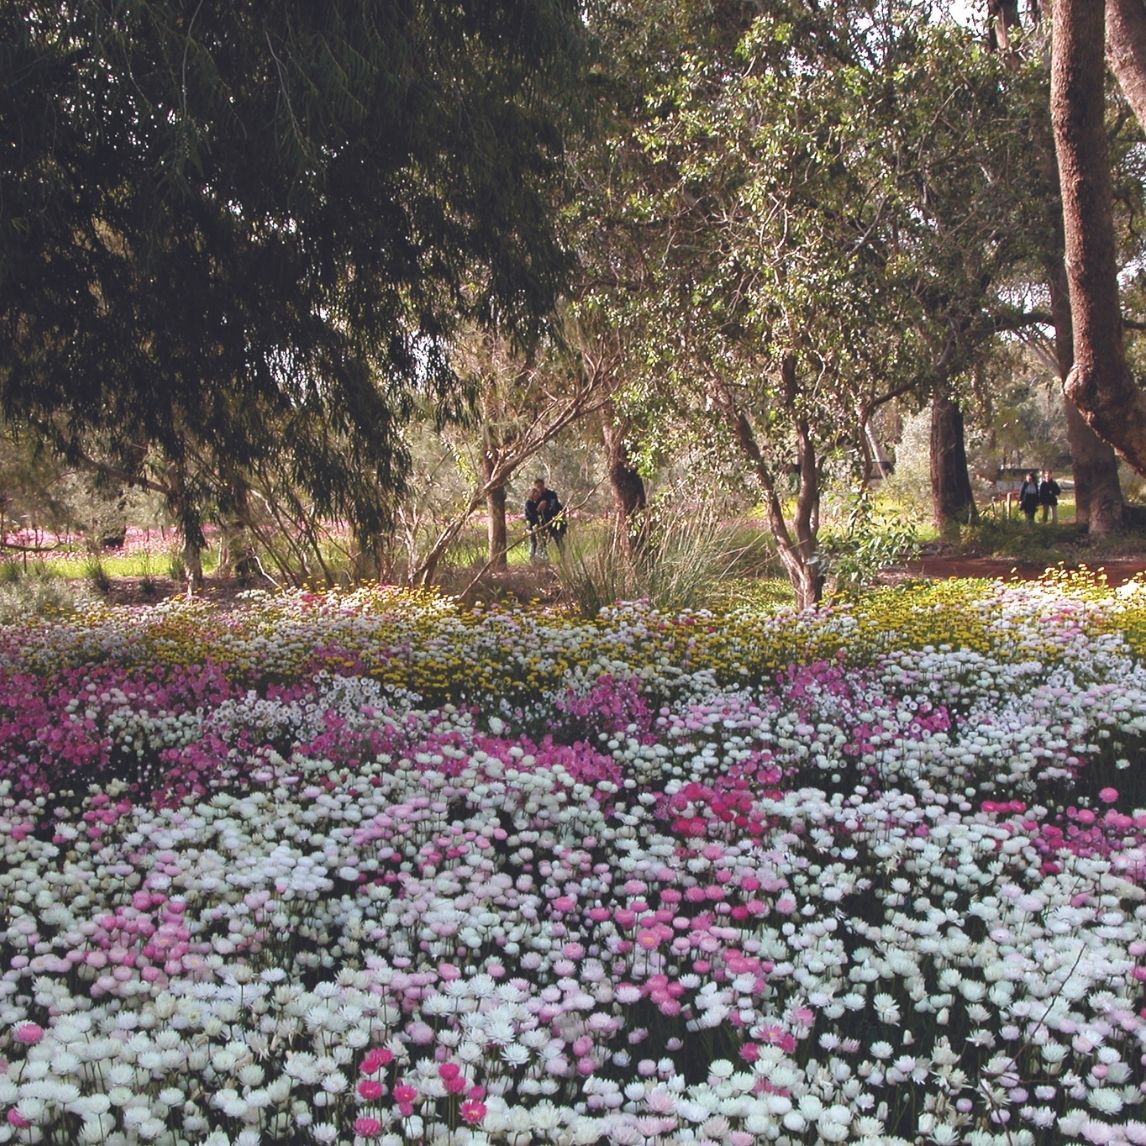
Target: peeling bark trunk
1099,382
1126,51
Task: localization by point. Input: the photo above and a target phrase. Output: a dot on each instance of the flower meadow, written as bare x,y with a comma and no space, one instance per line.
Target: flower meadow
369,868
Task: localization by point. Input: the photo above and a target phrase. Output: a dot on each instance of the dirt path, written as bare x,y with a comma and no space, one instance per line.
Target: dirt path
1118,570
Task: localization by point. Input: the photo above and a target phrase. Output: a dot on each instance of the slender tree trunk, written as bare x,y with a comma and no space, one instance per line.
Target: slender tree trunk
798,546
952,501
496,532
190,525
1099,383
497,544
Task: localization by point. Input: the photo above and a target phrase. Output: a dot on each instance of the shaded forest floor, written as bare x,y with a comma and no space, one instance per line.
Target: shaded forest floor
1002,555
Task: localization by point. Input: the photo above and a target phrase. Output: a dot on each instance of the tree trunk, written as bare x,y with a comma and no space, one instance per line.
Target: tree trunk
797,547
626,484
952,501
192,565
497,544
1002,16
495,528
1098,506
1099,383
190,525
237,556
1126,51
1094,464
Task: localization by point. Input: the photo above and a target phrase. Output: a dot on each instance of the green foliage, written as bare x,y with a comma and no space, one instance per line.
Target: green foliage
752,594
33,590
875,537
829,200
1040,544
910,483
241,233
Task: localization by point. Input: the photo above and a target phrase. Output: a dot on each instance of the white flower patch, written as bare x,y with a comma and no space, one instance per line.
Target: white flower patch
826,907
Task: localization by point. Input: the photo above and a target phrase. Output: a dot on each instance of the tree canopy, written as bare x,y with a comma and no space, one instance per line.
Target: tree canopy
826,206
230,230
241,244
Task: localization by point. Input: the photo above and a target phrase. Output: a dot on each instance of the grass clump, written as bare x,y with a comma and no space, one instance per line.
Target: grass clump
34,591
676,557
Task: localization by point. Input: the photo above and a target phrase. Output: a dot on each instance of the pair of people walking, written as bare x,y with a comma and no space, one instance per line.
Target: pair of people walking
1035,494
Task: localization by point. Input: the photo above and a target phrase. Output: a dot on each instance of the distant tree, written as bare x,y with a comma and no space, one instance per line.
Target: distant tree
525,402
827,210
231,230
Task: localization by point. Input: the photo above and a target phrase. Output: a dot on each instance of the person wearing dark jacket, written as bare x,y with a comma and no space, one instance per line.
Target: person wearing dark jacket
544,517
1029,496
1048,497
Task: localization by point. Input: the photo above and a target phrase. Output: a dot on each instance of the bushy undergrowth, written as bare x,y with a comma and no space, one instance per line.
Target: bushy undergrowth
34,591
672,559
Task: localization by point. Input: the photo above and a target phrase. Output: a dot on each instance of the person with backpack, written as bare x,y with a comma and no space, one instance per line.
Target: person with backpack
1029,496
1048,497
544,516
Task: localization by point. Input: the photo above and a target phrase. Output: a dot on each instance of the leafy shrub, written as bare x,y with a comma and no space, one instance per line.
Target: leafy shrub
874,539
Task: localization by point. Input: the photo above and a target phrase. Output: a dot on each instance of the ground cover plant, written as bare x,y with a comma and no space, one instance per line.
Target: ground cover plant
368,868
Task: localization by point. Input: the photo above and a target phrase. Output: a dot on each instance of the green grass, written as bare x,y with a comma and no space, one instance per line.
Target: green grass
79,567
998,536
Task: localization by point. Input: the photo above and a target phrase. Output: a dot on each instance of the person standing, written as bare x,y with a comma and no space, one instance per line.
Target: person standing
542,507
1029,496
1048,497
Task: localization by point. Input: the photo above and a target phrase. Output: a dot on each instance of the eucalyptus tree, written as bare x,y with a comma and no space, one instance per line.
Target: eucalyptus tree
231,231
819,232
1100,382
1023,40
525,398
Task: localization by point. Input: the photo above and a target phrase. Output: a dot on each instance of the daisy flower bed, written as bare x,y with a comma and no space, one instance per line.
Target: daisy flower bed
371,869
